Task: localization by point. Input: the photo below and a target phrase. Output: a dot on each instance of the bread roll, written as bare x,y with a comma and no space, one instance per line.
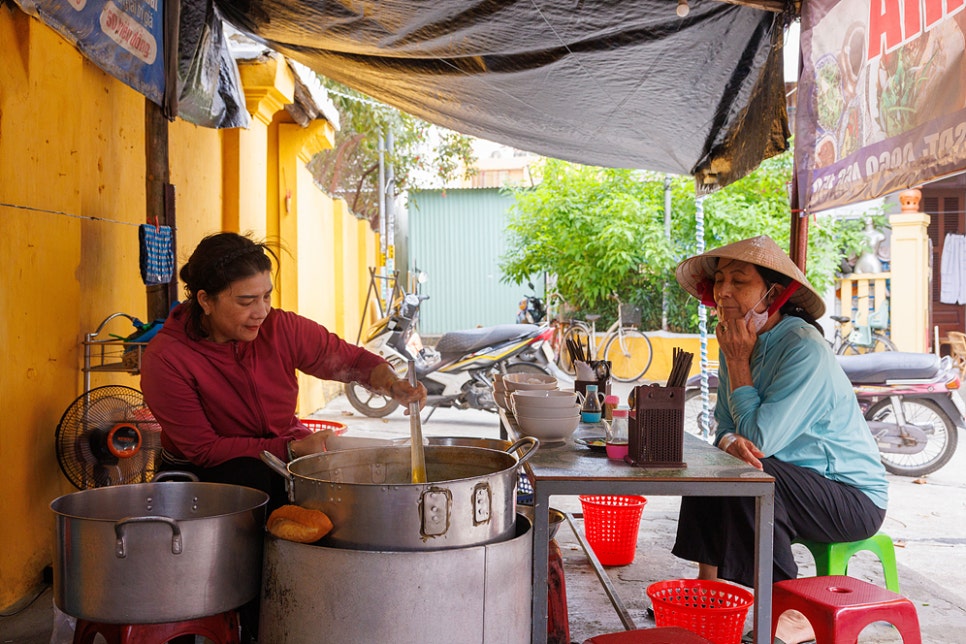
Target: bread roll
302,525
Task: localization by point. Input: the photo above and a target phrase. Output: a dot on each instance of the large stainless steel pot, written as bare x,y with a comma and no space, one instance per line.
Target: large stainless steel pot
469,499
478,595
158,552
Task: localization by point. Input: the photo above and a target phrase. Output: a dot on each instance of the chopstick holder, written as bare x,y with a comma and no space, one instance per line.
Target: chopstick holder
656,437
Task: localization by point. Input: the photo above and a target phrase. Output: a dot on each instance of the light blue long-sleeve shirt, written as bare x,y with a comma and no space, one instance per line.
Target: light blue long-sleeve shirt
802,410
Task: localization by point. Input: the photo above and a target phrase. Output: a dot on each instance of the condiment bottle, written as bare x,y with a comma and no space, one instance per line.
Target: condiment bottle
617,434
590,408
610,403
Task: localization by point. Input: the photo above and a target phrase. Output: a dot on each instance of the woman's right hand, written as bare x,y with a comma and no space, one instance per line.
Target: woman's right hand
311,444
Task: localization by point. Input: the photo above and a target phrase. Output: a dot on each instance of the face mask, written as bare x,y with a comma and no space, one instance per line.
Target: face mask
758,319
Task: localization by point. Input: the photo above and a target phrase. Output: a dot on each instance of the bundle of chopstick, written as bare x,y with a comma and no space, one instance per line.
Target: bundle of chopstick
576,350
680,367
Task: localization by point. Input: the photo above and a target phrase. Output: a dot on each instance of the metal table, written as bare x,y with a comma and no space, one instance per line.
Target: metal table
566,469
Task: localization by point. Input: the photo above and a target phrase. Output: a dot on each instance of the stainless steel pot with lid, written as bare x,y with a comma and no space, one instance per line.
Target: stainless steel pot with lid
469,499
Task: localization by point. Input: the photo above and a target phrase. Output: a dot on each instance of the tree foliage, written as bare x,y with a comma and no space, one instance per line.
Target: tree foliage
424,155
602,230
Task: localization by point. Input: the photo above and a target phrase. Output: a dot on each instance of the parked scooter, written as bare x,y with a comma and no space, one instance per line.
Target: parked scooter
458,372
906,398
532,309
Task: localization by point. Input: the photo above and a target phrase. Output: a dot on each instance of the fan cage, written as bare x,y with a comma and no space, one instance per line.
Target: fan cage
83,430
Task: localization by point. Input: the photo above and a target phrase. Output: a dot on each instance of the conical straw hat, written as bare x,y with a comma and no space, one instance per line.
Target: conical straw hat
696,274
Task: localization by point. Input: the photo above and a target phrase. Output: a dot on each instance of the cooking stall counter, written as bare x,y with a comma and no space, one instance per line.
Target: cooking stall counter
566,470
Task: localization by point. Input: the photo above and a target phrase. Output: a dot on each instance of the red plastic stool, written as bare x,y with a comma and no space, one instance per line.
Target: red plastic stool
221,629
665,635
839,607
558,621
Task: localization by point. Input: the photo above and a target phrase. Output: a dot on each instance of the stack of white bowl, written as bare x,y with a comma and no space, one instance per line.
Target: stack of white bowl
550,415
499,393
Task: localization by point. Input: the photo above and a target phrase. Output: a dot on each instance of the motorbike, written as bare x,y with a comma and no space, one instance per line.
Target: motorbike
532,309
908,403
458,372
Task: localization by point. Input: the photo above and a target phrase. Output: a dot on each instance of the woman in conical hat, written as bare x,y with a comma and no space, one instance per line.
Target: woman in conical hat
785,407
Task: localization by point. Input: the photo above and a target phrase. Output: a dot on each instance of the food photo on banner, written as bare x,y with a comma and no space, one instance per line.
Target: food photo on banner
881,98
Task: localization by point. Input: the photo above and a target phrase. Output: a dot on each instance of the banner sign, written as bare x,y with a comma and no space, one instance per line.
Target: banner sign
125,38
882,97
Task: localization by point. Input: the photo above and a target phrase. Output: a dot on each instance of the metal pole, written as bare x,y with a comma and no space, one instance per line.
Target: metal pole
390,201
667,235
704,416
382,217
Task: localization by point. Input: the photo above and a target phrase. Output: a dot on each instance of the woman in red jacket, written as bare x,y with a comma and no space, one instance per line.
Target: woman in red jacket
220,377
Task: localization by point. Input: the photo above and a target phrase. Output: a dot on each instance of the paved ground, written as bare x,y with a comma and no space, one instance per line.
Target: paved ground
927,520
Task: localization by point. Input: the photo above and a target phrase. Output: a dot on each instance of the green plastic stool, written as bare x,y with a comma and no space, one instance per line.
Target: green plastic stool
833,558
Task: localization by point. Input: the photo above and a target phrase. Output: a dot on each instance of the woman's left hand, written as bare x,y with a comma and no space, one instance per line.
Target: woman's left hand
741,447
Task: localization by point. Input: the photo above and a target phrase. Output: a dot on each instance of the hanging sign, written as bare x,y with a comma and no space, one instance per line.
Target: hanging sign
122,37
882,97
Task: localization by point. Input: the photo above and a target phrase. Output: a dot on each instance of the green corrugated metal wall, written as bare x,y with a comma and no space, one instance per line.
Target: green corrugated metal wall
457,237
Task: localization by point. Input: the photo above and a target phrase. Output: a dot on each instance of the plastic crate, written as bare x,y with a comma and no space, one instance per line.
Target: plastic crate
318,424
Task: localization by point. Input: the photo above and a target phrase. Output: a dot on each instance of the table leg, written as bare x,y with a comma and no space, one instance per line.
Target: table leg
541,556
764,564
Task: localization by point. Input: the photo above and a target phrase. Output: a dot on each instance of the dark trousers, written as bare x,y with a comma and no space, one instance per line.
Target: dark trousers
250,472
720,531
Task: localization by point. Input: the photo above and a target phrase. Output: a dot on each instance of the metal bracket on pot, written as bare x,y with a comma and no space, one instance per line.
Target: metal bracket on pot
435,507
482,501
177,546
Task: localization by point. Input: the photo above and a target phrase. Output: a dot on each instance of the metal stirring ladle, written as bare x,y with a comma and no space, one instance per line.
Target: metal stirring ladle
416,433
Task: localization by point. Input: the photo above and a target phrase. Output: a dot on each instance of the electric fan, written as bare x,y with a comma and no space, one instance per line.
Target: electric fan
108,436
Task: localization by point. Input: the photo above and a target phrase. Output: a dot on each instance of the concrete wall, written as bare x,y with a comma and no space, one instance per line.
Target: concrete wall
72,193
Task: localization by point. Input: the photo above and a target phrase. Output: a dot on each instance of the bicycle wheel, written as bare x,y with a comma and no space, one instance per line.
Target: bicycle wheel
629,352
879,343
576,334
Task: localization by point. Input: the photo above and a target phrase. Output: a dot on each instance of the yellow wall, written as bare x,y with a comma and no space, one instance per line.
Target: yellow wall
72,193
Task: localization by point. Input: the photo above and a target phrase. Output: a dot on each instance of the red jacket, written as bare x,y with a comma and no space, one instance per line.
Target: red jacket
219,401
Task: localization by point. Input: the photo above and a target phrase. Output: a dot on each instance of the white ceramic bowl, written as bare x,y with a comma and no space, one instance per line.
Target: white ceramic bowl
534,398
548,429
564,411
518,381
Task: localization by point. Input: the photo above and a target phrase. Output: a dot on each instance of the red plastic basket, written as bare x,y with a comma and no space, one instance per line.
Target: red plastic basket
714,610
318,424
611,524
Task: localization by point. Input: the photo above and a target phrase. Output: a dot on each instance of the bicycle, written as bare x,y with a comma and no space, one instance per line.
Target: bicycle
628,349
853,339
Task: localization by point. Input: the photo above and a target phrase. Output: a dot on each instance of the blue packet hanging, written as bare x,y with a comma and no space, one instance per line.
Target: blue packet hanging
157,253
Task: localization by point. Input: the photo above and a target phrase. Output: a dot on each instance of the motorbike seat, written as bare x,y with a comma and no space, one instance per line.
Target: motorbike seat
463,342
872,368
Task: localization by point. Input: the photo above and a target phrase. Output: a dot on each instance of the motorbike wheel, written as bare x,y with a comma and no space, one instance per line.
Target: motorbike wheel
693,407
527,367
368,403
879,343
926,415
532,358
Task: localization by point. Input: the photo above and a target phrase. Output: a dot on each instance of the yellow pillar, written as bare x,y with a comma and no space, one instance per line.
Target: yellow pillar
910,276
